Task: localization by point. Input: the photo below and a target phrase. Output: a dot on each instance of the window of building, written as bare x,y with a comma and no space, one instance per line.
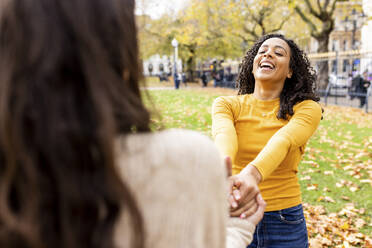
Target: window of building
345,65
334,66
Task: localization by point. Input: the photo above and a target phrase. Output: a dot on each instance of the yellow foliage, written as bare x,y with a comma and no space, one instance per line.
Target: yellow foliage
345,226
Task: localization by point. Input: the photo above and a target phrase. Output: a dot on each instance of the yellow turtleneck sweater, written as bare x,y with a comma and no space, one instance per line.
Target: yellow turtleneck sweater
247,130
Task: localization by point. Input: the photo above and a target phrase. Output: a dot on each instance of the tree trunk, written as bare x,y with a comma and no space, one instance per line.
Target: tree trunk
190,64
189,68
323,65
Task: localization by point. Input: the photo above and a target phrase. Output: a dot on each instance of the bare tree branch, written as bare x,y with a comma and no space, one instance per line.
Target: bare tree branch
263,30
280,25
326,5
305,19
245,39
319,6
251,31
333,7
311,9
260,23
315,34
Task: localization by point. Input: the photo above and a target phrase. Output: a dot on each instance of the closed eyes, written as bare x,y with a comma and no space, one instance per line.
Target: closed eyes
277,53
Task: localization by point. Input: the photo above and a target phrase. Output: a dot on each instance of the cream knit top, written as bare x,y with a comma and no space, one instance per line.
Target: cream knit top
179,181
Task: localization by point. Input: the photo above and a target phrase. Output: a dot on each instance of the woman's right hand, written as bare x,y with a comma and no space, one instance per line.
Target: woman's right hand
256,217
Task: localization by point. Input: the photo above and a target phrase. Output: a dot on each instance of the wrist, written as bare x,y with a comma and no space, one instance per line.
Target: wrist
252,172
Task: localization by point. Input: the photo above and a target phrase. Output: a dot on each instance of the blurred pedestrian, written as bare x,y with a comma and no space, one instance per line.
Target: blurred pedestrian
150,68
362,88
177,80
184,79
360,85
216,78
204,79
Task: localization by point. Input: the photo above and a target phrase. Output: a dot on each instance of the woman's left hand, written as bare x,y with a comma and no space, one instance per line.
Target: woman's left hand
243,192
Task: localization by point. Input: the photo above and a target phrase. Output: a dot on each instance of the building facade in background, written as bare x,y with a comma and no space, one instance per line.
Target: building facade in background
366,37
157,65
349,19
349,46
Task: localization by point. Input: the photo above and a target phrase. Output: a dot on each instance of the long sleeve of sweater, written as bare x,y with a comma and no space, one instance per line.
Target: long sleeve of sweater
179,182
294,134
239,233
224,113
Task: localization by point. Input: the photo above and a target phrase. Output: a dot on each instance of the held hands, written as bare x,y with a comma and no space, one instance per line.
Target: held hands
256,217
244,197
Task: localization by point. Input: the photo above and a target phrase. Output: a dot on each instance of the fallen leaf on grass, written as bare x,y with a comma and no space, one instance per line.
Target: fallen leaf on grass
345,198
328,173
352,186
325,199
307,178
339,185
345,244
325,189
333,230
353,189
359,223
366,181
311,163
312,187
345,226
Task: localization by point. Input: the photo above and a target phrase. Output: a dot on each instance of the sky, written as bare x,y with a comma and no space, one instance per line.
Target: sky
155,8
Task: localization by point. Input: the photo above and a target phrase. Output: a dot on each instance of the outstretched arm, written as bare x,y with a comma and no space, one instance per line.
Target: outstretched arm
223,129
224,112
294,135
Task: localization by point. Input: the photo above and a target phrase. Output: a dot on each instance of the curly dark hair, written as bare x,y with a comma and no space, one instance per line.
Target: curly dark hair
301,86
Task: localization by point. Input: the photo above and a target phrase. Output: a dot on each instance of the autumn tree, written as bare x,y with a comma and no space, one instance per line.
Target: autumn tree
213,29
319,16
155,35
254,18
202,32
222,29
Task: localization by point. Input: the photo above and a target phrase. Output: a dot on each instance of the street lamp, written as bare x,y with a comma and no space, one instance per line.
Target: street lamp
176,80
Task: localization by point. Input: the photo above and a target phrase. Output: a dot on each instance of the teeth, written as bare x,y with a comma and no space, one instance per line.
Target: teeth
267,64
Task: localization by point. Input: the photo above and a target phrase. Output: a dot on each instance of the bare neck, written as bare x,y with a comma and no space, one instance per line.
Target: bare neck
267,90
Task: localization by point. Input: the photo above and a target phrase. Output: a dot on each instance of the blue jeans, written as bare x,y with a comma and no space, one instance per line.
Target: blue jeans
285,228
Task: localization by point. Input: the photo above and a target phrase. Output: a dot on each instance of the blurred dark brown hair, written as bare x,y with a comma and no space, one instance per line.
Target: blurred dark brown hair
69,75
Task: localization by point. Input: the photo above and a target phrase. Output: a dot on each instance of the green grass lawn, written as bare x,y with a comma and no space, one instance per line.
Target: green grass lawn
184,109
336,170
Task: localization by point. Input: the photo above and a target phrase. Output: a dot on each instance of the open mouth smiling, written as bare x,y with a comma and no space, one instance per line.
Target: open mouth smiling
266,65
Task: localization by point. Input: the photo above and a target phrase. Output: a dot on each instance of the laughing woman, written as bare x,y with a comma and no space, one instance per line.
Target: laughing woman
264,129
